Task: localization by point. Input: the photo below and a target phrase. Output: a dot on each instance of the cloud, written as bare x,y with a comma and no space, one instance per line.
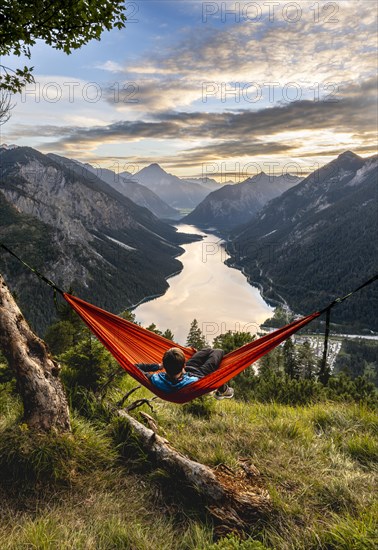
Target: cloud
146,95
229,149
301,129
354,111
159,95
110,66
306,53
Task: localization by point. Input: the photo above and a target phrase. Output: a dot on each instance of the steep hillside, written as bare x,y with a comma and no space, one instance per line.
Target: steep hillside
238,203
96,240
38,244
317,241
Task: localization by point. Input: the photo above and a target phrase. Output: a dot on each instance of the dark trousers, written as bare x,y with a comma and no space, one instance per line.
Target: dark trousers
204,362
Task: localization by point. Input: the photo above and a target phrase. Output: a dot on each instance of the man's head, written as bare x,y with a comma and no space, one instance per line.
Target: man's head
173,361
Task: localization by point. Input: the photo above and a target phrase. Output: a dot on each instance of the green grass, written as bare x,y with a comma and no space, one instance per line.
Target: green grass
318,463
108,511
95,489
363,448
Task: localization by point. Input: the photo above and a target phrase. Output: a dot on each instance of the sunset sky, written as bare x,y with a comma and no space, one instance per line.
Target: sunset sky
223,89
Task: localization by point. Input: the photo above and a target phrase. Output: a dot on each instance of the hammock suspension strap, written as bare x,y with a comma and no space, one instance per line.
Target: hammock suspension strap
324,372
339,300
33,270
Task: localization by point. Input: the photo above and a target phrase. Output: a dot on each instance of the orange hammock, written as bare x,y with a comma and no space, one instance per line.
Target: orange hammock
129,344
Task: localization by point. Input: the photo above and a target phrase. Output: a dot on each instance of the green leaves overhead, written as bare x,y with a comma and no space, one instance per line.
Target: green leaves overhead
65,25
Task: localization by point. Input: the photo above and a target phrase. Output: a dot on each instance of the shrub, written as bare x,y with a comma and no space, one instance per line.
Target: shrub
279,388
344,388
29,456
88,364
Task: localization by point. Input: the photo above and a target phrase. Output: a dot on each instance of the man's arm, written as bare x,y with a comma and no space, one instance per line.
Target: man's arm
149,367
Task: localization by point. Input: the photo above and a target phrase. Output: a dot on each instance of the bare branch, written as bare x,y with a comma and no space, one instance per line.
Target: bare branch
5,107
139,403
127,395
102,391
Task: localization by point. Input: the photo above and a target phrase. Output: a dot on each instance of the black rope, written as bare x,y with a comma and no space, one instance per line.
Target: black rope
339,300
33,270
324,371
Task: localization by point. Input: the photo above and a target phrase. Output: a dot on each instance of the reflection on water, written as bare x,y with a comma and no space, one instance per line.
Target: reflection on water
218,296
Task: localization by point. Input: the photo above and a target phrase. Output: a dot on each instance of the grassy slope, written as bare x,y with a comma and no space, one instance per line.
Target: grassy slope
318,462
95,502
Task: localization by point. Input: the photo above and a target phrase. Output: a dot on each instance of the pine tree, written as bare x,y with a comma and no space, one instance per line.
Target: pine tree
87,364
228,341
196,338
128,316
306,360
60,337
153,328
270,363
290,360
67,331
169,334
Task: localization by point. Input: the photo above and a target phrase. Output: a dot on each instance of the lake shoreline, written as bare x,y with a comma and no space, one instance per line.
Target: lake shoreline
252,283
206,288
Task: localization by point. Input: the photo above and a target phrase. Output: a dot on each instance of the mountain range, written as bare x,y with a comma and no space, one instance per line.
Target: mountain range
209,183
176,192
318,241
232,205
81,233
136,192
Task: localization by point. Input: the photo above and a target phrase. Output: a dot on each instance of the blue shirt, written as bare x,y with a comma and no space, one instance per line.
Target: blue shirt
161,381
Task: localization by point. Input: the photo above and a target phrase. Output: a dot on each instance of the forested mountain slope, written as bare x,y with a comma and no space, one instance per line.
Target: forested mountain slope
80,232
317,241
234,204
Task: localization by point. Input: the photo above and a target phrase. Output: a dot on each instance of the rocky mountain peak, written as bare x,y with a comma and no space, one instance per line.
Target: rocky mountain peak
348,155
153,169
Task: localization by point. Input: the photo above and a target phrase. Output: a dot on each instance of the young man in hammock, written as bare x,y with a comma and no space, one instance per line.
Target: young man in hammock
178,374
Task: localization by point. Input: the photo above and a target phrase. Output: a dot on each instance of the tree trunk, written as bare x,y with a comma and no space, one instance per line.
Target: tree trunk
235,500
37,374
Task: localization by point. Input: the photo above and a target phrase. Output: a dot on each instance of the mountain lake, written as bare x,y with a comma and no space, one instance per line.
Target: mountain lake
206,289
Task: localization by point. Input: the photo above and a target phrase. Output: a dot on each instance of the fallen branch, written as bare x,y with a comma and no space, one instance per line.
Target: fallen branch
150,421
139,403
230,497
102,390
127,395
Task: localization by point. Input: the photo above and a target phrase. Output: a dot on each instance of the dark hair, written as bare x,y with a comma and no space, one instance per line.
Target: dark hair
173,361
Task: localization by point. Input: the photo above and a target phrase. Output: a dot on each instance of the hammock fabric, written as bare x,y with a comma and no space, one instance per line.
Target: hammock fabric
129,344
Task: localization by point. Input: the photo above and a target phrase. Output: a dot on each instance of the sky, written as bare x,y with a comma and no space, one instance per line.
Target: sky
217,89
